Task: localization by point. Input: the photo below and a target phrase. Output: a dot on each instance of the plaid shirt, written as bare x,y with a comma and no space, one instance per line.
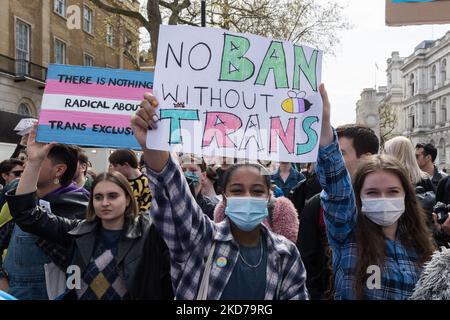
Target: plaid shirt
189,234
399,273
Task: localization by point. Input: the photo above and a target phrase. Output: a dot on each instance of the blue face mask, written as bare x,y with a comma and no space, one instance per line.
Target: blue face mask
192,177
246,212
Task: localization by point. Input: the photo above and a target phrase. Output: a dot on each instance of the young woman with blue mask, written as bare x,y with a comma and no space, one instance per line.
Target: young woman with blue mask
238,258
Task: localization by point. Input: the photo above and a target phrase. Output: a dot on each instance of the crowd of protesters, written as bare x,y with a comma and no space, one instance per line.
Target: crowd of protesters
359,223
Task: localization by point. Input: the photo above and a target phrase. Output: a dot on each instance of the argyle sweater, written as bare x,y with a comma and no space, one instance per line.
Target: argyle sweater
102,279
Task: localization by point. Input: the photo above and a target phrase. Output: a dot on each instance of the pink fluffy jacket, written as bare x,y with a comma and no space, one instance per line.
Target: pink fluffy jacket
282,214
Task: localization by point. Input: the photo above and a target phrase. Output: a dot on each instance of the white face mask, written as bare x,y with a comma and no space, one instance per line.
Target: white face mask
383,211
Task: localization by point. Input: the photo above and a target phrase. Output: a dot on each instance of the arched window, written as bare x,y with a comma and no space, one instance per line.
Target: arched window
443,71
24,109
433,77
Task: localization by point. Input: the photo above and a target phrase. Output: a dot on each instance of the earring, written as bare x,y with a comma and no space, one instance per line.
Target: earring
56,180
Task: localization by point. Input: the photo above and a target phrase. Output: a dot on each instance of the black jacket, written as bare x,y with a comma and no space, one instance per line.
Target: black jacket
313,245
142,255
426,184
304,190
206,205
70,205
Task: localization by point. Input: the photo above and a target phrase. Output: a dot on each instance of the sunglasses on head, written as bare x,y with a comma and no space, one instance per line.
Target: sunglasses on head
17,173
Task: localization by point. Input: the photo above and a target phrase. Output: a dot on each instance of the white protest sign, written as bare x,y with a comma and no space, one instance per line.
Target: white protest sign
223,93
24,126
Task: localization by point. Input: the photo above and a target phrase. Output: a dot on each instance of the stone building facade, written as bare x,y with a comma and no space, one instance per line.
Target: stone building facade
426,95
417,97
76,32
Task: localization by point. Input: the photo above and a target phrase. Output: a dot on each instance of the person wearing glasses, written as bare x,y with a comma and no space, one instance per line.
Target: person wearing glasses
10,170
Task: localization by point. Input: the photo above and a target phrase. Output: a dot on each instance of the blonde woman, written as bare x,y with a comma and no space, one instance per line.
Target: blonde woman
401,148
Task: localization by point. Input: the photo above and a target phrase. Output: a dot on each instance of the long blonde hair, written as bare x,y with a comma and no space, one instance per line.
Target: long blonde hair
401,148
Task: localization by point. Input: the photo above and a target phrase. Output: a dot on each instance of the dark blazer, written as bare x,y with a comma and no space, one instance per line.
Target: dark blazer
312,244
142,254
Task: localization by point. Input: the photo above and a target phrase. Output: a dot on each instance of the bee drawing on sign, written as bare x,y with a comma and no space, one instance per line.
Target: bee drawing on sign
296,103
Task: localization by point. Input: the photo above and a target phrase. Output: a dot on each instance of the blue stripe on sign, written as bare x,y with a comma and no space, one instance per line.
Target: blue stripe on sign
399,1
87,138
6,296
96,72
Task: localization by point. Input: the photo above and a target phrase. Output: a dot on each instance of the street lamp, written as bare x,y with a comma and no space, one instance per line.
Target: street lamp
203,13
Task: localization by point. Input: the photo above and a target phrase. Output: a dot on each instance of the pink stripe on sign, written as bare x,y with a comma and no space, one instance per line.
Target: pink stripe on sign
88,118
95,90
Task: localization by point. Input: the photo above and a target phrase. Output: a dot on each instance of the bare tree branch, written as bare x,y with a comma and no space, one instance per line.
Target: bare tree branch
293,20
132,14
388,122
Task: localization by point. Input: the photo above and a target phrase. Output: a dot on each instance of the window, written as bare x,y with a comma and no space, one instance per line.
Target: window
88,60
128,44
60,52
433,77
424,119
60,7
411,85
23,31
441,151
411,118
109,35
88,20
24,110
433,113
444,110
443,71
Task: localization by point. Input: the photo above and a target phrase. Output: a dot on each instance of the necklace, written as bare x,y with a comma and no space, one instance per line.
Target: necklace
260,258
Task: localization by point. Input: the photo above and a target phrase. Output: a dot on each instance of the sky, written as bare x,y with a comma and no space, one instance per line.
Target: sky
369,42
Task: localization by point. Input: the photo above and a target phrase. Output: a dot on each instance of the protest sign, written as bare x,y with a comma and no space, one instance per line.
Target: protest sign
414,12
24,126
223,93
91,106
